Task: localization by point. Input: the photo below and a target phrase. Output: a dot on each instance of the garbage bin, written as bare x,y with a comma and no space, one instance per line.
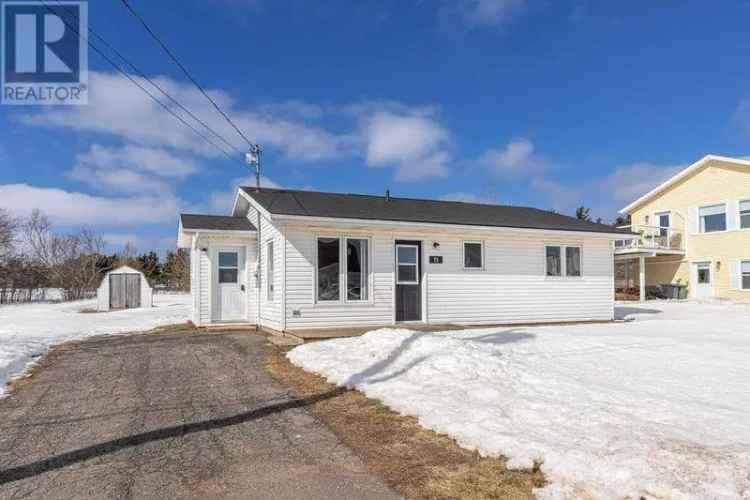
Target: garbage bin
673,291
670,291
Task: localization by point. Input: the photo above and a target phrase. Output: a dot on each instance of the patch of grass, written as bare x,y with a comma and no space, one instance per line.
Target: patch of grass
188,327
416,462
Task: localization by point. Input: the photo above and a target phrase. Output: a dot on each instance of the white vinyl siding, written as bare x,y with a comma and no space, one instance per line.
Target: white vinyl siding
206,285
202,284
303,311
515,288
512,289
270,310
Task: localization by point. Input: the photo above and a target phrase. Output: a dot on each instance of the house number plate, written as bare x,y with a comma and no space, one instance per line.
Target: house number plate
436,259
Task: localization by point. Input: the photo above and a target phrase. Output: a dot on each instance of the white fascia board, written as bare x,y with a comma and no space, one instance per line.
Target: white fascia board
681,175
430,225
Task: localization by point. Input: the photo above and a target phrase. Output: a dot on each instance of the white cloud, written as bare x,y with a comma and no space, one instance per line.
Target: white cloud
561,197
608,194
221,202
65,207
467,197
131,169
412,141
120,240
476,13
515,158
118,108
629,182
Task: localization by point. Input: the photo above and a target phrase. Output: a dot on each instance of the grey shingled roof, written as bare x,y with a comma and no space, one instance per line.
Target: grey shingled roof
367,207
215,222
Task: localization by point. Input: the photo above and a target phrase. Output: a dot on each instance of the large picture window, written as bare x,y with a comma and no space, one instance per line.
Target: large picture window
473,255
328,269
563,260
357,269
745,214
713,218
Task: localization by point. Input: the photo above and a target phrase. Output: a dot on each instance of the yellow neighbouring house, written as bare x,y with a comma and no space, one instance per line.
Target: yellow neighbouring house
695,231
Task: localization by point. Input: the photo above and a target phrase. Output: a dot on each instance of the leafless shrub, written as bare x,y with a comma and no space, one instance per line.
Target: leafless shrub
176,270
72,260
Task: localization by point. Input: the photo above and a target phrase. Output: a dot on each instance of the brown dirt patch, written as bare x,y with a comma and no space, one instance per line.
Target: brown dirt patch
416,462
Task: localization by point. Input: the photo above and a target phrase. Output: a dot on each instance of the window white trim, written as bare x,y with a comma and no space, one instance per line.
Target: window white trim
563,261
739,215
270,273
702,226
463,255
343,285
219,267
344,265
743,273
415,264
580,261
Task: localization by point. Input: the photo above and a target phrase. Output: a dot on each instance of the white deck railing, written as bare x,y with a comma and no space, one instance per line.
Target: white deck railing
652,238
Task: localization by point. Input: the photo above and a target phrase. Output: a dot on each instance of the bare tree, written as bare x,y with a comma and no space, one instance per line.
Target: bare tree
72,260
177,270
8,230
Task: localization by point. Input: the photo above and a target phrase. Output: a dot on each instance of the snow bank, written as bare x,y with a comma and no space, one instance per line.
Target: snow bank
27,330
659,407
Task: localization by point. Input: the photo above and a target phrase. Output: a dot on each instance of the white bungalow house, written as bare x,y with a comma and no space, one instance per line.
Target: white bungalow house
290,260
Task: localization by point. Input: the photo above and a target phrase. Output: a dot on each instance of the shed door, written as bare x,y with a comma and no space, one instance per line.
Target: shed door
124,291
133,291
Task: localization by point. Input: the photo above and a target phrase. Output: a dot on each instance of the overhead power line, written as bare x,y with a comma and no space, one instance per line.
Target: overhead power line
141,87
185,71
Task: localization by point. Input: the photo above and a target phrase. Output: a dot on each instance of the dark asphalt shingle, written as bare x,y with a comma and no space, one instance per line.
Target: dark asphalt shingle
215,222
358,206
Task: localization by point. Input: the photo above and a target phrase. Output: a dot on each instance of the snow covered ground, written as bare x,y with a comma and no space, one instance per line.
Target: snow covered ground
27,330
658,407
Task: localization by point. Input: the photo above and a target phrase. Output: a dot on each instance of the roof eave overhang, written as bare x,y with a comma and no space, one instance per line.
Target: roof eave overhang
680,176
305,219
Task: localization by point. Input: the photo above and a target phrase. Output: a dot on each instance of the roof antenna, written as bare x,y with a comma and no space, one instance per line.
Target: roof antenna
252,158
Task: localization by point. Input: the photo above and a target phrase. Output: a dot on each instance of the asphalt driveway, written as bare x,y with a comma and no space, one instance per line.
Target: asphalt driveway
170,416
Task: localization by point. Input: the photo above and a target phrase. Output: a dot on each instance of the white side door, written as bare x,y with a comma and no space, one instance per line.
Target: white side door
703,280
229,293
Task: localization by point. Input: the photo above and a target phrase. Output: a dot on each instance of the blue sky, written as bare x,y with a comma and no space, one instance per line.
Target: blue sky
546,103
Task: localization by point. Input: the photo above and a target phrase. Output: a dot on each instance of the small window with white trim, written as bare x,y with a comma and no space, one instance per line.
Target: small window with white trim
269,271
473,255
713,218
407,264
573,261
229,270
554,261
745,270
563,260
745,214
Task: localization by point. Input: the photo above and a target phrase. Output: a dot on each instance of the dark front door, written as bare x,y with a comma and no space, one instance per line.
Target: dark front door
408,280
